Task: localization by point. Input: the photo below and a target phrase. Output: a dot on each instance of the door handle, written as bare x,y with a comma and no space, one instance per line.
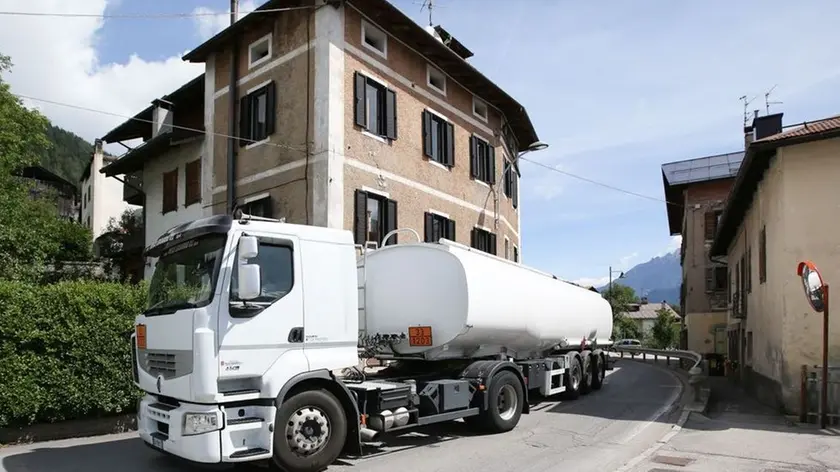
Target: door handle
296,335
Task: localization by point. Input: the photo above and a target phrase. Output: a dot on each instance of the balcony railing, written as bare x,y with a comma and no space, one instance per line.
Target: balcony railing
132,188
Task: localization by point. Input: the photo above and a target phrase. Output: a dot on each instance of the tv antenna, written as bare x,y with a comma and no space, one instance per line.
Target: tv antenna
767,101
430,5
743,98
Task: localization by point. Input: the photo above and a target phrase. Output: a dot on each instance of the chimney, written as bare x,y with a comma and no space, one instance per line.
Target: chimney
161,116
749,132
644,301
767,125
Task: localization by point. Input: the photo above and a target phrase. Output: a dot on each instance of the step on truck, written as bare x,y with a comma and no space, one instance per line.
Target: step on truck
256,334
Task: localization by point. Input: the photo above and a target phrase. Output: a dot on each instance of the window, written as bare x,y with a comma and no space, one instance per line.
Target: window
438,139
710,224
192,184
437,227
749,270
510,140
375,107
170,191
716,279
483,240
260,207
276,272
435,79
259,51
515,254
375,216
762,255
374,39
482,160
257,115
480,108
511,177
507,248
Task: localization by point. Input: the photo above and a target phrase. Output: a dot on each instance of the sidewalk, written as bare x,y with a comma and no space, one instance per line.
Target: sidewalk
739,434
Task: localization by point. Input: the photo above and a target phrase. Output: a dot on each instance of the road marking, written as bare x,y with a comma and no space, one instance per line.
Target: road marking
662,441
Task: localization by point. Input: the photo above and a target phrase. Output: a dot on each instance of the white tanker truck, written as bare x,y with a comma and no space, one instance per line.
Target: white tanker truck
250,347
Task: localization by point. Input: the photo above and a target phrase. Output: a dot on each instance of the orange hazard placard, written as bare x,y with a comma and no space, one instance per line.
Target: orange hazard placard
420,336
141,336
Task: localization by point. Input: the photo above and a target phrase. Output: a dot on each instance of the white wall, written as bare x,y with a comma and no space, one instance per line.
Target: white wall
106,198
156,221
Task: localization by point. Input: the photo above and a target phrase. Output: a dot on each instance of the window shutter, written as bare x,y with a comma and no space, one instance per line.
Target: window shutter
359,98
390,114
391,220
360,220
472,238
710,223
244,121
449,157
492,239
450,230
473,157
762,255
427,134
270,108
491,157
514,188
429,228
749,269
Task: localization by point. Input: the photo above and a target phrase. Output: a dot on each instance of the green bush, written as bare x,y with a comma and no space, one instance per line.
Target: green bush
64,350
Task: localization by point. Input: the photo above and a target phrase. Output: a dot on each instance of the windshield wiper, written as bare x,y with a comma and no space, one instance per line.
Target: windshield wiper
159,309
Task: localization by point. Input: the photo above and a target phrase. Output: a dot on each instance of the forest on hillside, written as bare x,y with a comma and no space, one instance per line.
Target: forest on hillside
68,154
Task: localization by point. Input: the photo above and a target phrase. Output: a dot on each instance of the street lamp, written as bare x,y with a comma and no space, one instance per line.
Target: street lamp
609,290
535,146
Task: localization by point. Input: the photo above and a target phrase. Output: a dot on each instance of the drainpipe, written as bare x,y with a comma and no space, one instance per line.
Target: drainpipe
232,99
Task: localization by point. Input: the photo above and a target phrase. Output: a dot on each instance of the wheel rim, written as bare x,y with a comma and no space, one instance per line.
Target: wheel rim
308,431
507,402
576,376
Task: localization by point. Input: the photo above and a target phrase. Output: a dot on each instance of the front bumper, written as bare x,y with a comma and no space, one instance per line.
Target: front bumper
161,426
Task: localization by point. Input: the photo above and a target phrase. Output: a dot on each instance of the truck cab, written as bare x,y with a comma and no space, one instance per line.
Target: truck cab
237,310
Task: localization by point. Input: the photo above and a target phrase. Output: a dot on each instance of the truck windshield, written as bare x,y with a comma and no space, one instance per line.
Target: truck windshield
185,275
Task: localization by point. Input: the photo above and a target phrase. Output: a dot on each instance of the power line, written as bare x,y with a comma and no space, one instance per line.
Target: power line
303,149
595,182
143,120
130,16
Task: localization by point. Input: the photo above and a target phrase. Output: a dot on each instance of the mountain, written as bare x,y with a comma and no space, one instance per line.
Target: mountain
657,279
69,154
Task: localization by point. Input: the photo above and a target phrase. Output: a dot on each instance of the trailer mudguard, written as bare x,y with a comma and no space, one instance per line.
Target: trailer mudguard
483,371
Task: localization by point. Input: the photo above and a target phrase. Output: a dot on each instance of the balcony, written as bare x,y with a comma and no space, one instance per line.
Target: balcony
132,188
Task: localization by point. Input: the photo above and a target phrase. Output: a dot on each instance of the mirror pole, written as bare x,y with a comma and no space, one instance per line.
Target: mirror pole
824,386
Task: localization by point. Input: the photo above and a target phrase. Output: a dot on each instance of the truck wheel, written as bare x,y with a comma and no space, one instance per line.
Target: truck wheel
310,430
506,401
574,379
599,371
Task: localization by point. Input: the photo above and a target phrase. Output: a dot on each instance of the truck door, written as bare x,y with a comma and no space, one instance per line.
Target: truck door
264,334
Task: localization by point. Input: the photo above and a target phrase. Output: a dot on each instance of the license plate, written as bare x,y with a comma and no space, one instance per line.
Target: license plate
157,443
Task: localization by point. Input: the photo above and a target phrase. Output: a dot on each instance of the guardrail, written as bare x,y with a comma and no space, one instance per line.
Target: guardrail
696,373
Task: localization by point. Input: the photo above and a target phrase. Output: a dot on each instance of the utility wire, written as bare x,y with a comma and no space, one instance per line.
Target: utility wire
145,15
595,182
303,148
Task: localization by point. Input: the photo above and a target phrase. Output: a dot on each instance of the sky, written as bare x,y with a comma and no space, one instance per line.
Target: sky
615,88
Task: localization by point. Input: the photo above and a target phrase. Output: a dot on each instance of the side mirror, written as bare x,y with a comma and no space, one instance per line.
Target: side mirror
812,283
248,277
248,247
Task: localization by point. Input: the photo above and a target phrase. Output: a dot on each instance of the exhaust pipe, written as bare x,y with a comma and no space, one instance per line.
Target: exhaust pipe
368,434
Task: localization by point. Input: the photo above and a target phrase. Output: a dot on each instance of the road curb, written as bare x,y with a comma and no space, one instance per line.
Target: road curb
68,430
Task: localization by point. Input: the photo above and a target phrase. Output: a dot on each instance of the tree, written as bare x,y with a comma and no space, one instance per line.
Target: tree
31,232
115,241
620,298
666,329
626,328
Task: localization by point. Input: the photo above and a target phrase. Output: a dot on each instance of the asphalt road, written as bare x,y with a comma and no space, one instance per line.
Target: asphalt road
598,432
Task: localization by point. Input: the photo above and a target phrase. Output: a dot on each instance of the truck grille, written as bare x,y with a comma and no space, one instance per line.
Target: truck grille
168,364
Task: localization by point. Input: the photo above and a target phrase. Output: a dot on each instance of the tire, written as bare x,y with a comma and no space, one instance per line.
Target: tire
599,371
574,379
305,414
506,401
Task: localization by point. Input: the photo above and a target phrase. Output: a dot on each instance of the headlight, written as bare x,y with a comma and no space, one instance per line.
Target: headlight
197,423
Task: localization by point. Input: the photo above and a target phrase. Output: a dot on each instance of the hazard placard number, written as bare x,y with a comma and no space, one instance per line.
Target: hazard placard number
420,336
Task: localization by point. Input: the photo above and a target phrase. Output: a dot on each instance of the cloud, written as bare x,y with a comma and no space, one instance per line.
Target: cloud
674,244
592,281
56,59
624,262
209,24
